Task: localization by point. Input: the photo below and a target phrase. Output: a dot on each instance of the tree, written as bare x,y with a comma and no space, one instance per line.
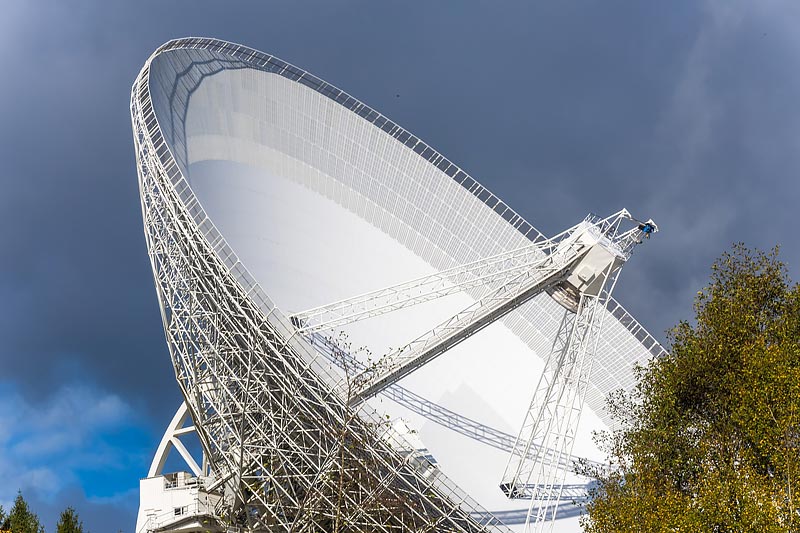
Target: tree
69,522
710,439
21,519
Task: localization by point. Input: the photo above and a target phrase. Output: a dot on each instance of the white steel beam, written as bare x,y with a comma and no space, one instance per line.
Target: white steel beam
557,407
487,272
401,362
490,272
291,455
575,264
422,406
552,419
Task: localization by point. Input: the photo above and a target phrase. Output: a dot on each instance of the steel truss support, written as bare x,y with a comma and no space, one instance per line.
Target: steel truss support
401,362
490,272
171,440
430,410
288,450
582,268
579,269
486,272
285,449
596,240
552,419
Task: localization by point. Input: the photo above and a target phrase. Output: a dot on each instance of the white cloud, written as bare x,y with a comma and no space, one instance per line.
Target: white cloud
44,448
73,414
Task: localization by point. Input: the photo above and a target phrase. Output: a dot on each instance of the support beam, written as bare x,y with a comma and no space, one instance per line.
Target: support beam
575,265
492,271
174,430
399,363
554,413
426,408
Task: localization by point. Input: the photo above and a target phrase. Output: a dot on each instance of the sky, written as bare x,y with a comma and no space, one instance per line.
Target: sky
683,111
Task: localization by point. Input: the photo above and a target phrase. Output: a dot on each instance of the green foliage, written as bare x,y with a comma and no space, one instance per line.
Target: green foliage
710,438
69,522
21,519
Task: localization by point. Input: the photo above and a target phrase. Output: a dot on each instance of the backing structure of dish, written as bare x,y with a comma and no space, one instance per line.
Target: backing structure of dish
267,191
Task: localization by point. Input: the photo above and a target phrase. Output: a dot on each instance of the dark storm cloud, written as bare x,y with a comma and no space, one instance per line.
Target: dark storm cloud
74,285
78,295
684,112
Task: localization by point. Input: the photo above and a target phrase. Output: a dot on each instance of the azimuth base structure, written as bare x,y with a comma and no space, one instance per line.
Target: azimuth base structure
290,442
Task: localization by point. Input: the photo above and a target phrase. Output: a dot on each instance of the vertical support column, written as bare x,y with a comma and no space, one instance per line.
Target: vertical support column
548,433
542,410
562,428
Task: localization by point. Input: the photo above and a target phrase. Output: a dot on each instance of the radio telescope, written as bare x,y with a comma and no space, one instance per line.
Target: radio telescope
465,357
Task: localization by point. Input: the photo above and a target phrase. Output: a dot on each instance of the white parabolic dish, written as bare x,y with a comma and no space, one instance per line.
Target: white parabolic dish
321,198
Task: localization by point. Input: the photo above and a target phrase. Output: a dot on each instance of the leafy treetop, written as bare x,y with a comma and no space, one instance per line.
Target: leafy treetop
21,519
69,522
710,438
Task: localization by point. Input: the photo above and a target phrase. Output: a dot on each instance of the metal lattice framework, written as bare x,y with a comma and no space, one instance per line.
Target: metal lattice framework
289,452
513,278
289,442
580,267
435,412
